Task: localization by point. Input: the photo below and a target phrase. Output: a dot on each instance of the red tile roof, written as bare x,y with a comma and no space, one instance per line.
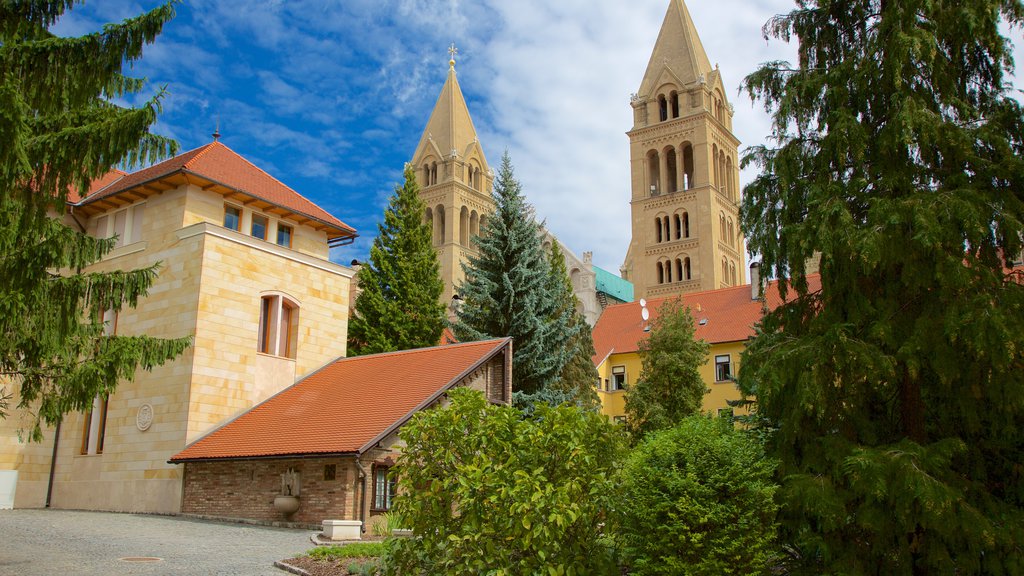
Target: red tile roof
345,407
218,163
98,184
730,314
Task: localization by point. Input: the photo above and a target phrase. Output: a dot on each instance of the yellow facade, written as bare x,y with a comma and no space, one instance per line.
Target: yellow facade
613,402
211,285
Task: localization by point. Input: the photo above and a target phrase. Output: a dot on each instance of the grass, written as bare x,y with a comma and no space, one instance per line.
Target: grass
354,550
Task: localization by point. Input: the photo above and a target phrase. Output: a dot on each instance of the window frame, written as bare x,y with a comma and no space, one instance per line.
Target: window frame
277,234
384,488
726,364
278,326
619,379
253,223
238,211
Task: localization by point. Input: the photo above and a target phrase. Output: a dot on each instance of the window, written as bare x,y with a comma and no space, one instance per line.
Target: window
618,378
279,323
95,426
723,368
284,235
125,224
258,229
232,217
330,471
383,488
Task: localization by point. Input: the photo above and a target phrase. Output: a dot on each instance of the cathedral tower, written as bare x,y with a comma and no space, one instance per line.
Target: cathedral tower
685,175
455,180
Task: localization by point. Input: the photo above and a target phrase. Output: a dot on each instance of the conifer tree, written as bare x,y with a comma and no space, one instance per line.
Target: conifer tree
60,131
579,375
670,387
896,388
508,292
399,306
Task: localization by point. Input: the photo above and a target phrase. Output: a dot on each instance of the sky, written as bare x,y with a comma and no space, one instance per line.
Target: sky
331,96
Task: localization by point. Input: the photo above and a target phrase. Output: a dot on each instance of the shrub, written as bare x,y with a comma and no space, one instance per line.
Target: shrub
697,499
353,550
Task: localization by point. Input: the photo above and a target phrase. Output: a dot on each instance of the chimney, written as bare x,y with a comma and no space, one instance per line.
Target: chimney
755,280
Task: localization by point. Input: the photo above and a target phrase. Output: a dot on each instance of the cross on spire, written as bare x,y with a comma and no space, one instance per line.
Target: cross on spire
452,52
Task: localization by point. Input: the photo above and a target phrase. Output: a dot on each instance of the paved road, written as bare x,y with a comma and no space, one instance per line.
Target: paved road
59,542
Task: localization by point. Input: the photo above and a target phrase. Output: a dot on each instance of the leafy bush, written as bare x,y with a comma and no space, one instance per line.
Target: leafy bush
353,550
697,499
487,490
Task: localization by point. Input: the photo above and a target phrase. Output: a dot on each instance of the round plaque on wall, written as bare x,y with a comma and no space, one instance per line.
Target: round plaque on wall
144,418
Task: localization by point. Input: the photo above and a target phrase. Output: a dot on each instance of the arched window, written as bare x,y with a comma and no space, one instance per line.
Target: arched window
722,226
674,102
714,164
679,270
679,227
426,174
433,173
732,272
653,171
474,223
661,273
687,182
279,326
464,226
657,230
430,220
439,225
662,108
725,270
722,174
670,157
731,239
729,181
665,229
686,268
686,225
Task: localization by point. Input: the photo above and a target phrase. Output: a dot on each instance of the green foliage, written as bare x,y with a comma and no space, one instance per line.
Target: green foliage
487,491
508,292
60,132
579,374
399,305
353,550
670,386
698,499
895,389
361,568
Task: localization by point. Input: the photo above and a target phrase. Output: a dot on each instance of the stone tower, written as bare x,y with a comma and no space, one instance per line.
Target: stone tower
685,175
455,180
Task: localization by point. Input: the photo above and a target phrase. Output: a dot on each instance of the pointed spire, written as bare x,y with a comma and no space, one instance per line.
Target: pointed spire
450,129
678,48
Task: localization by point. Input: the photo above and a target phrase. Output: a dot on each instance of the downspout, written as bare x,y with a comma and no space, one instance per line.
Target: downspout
53,463
362,493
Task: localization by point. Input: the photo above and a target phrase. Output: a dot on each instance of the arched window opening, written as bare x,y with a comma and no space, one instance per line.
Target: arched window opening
483,224
670,157
687,166
665,229
425,178
430,220
433,173
732,234
722,174
474,223
679,270
657,230
668,272
574,277
732,272
674,101
464,226
725,271
686,225
439,227
661,273
714,164
653,171
722,226
662,108
679,227
686,269
730,182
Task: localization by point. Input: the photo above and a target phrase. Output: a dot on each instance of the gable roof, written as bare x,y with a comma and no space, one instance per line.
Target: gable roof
347,406
215,167
729,315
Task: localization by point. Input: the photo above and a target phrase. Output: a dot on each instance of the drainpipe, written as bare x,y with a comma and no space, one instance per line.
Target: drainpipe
53,463
363,474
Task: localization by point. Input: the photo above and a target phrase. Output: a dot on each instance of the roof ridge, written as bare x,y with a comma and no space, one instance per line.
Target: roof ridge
424,349
204,149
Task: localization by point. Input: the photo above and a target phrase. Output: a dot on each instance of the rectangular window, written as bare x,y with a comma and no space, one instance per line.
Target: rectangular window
259,227
383,488
284,235
120,219
279,325
101,227
723,368
138,213
330,471
232,217
618,378
619,419
95,425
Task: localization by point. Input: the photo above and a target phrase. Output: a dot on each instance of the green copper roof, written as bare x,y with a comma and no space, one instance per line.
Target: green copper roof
613,286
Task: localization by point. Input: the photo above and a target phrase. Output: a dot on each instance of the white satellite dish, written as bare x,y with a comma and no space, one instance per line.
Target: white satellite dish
645,314
643,303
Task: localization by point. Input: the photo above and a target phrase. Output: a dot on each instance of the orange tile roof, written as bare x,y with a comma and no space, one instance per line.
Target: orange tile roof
730,314
218,163
97,184
347,406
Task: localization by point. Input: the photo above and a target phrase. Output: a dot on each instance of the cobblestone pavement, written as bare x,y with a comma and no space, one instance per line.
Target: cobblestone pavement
59,542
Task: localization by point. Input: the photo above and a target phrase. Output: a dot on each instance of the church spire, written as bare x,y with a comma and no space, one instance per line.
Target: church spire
678,48
450,130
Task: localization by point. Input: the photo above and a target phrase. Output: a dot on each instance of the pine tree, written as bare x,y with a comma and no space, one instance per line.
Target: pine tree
897,389
670,386
60,131
399,305
507,291
576,382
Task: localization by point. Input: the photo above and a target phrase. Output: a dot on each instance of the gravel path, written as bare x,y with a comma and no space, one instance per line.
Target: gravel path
56,542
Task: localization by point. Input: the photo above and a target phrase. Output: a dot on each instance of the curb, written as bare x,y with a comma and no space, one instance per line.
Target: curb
290,568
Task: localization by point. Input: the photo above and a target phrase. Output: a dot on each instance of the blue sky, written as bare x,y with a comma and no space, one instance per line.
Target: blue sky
331,97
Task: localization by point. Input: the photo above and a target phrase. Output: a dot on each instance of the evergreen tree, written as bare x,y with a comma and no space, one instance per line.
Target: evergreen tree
507,292
399,305
579,374
896,388
670,387
59,132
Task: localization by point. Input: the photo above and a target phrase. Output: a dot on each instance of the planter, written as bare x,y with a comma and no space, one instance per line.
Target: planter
286,505
342,529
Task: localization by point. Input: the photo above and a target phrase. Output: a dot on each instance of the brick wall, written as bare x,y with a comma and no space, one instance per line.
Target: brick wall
246,489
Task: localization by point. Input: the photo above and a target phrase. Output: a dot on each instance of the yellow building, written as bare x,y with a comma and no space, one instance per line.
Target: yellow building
685,171
244,271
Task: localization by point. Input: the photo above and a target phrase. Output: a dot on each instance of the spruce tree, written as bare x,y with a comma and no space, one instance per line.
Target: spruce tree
399,306
507,291
577,379
60,131
670,386
896,389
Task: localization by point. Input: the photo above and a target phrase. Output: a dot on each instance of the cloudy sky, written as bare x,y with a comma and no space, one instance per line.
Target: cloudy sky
331,96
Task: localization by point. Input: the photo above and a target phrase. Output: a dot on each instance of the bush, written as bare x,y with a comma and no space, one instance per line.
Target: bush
697,499
487,490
